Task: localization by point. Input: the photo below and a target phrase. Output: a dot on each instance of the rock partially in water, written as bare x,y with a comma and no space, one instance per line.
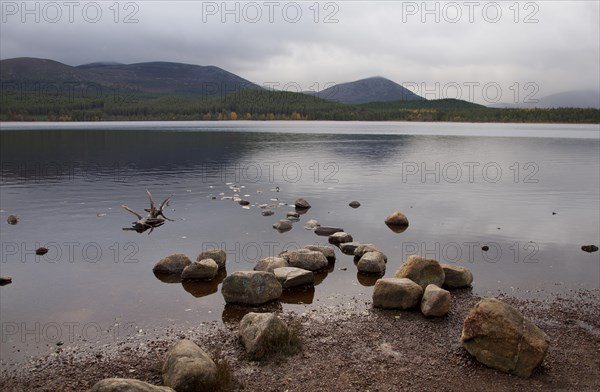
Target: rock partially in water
348,248
435,301
589,248
188,368
267,213
302,204
126,385
499,336
340,237
397,222
5,279
485,248
354,204
244,202
283,225
311,224
293,277
218,255
41,251
310,260
251,288
364,248
12,219
203,269
372,263
174,264
262,334
269,264
396,293
292,215
456,277
327,230
422,271
327,251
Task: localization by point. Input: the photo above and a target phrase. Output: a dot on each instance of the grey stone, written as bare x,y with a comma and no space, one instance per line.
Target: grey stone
173,264
422,271
396,293
292,277
328,251
456,277
372,263
435,301
252,288
340,237
307,259
203,269
218,255
262,334
188,368
270,263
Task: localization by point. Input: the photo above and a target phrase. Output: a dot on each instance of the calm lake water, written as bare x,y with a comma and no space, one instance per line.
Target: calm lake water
529,192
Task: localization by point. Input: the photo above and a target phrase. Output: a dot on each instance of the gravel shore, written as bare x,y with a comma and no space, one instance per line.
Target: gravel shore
349,349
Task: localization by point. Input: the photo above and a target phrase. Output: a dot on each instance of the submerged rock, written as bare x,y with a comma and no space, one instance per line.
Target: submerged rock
435,301
262,334
218,255
174,264
348,248
126,385
253,288
422,271
499,336
396,293
188,368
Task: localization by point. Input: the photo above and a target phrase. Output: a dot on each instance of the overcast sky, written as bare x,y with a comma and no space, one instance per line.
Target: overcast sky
475,48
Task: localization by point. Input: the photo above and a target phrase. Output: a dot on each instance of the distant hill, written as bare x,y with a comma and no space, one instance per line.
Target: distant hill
375,89
152,77
566,99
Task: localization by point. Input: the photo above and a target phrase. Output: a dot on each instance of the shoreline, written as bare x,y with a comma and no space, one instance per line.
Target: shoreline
347,348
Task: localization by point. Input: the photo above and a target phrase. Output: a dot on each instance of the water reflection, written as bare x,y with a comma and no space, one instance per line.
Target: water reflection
298,296
233,314
202,288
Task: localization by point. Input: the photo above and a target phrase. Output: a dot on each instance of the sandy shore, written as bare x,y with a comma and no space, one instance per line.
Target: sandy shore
345,349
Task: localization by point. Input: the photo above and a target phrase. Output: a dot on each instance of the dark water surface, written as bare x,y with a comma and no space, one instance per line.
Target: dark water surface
462,186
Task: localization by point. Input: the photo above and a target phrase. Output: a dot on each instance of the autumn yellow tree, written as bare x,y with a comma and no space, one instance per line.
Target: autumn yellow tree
233,116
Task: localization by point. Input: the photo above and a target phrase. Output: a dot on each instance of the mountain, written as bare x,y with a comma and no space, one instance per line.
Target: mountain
151,77
375,89
566,99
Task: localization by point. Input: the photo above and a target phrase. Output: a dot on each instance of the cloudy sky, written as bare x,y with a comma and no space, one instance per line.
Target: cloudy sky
477,49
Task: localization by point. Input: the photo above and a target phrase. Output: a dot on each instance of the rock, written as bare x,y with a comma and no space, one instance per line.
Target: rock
174,264
364,248
268,213
485,248
126,385
396,293
292,277
422,271
372,263
311,260
589,248
301,203
283,225
4,279
203,269
218,255
269,264
435,301
292,215
12,219
41,251
397,220
354,204
327,230
252,288
456,277
340,237
262,333
348,248
188,368
498,335
244,202
327,251
311,224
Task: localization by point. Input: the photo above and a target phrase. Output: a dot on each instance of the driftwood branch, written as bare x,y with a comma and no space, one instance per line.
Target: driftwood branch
155,217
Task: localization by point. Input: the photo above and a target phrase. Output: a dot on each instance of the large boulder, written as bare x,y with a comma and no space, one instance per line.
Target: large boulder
253,288
126,385
188,368
328,251
218,255
311,260
435,301
340,237
270,263
174,264
456,277
396,293
422,271
498,335
372,263
203,269
262,333
292,277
